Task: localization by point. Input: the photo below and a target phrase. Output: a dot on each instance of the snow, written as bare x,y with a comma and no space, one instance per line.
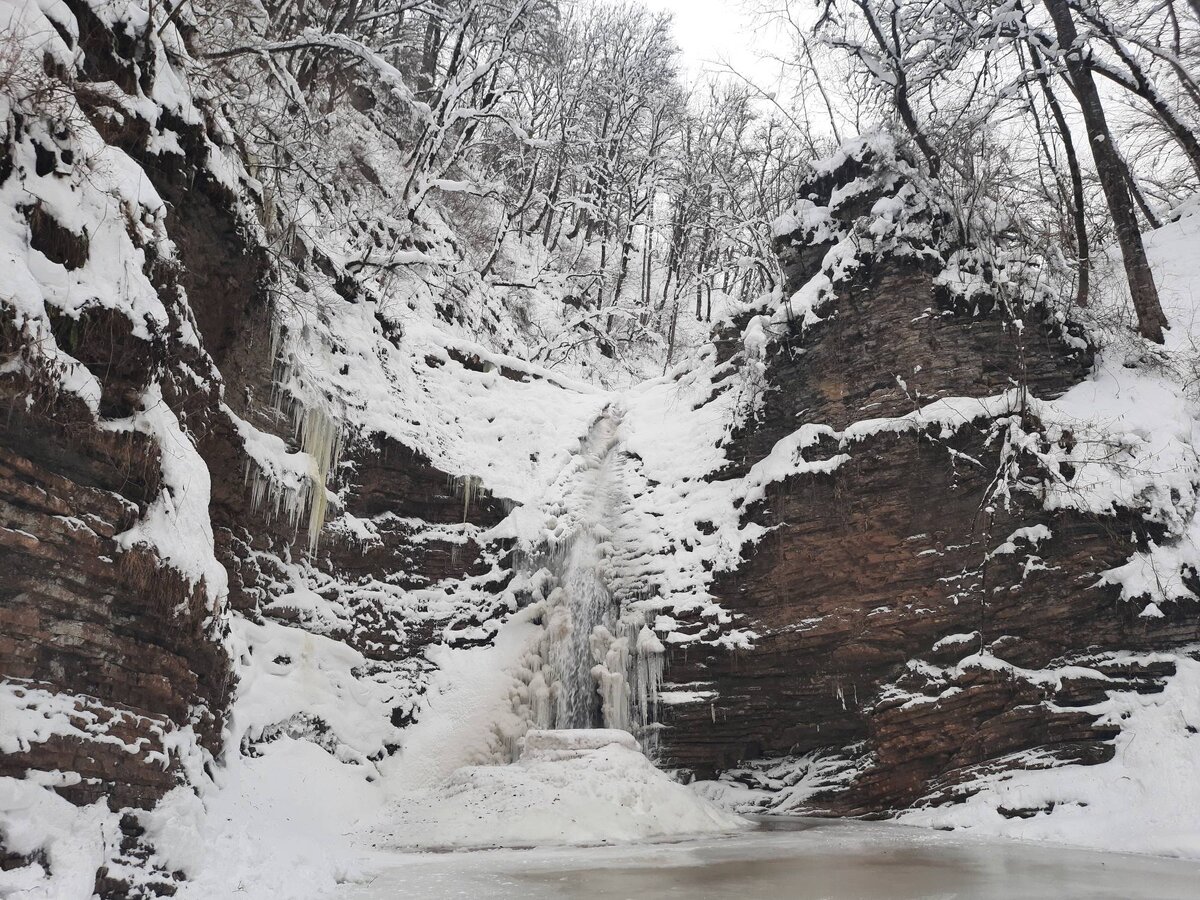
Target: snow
1176,264
277,828
1129,436
572,743
619,495
573,787
290,676
466,716
76,840
107,187
296,819
451,784
589,786
1144,800
30,714
952,640
177,523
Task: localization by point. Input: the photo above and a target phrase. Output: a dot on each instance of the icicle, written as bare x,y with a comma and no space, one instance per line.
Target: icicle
468,487
540,701
611,676
648,675
321,438
319,434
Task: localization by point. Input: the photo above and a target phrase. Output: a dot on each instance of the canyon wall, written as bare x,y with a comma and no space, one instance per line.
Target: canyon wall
164,469
922,613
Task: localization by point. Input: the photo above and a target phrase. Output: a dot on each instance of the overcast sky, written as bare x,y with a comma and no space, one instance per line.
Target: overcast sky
711,32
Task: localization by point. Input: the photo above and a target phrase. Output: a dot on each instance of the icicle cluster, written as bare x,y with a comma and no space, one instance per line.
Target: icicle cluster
320,436
295,493
468,487
598,664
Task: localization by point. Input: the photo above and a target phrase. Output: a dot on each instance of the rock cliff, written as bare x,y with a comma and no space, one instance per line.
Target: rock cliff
924,611
163,481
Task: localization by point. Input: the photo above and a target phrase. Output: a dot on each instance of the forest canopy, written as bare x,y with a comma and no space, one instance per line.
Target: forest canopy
569,146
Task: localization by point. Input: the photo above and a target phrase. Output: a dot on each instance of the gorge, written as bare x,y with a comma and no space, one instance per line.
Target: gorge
327,522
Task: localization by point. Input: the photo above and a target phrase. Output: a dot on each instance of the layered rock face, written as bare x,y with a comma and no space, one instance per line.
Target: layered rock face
141,538
916,620
127,641
107,632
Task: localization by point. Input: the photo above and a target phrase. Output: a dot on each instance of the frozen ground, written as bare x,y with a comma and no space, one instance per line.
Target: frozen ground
807,859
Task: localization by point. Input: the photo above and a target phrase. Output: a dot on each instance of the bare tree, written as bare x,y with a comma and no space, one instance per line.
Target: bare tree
1109,167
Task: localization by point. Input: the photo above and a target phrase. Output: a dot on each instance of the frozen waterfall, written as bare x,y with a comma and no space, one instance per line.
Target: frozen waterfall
597,665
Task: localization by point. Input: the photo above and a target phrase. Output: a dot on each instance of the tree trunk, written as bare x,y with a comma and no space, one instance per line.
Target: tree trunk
1109,168
674,251
671,337
647,248
623,265
1139,199
429,54
1078,209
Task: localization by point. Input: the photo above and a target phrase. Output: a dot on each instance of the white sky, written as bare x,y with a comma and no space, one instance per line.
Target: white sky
712,32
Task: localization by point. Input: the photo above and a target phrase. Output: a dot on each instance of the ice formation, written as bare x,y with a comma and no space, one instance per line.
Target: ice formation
569,786
293,486
598,664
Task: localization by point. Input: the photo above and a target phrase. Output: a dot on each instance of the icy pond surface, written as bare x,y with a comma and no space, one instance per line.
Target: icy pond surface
795,859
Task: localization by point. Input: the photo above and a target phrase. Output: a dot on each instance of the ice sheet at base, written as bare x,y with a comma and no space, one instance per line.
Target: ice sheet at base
827,859
570,786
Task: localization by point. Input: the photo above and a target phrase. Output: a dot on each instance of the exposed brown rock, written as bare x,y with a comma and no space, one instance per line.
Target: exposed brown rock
80,616
128,643
868,567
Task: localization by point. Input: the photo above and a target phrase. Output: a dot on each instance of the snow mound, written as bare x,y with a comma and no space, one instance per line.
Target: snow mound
70,841
569,787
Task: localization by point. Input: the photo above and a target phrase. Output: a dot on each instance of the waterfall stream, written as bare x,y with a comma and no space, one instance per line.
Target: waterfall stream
598,665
